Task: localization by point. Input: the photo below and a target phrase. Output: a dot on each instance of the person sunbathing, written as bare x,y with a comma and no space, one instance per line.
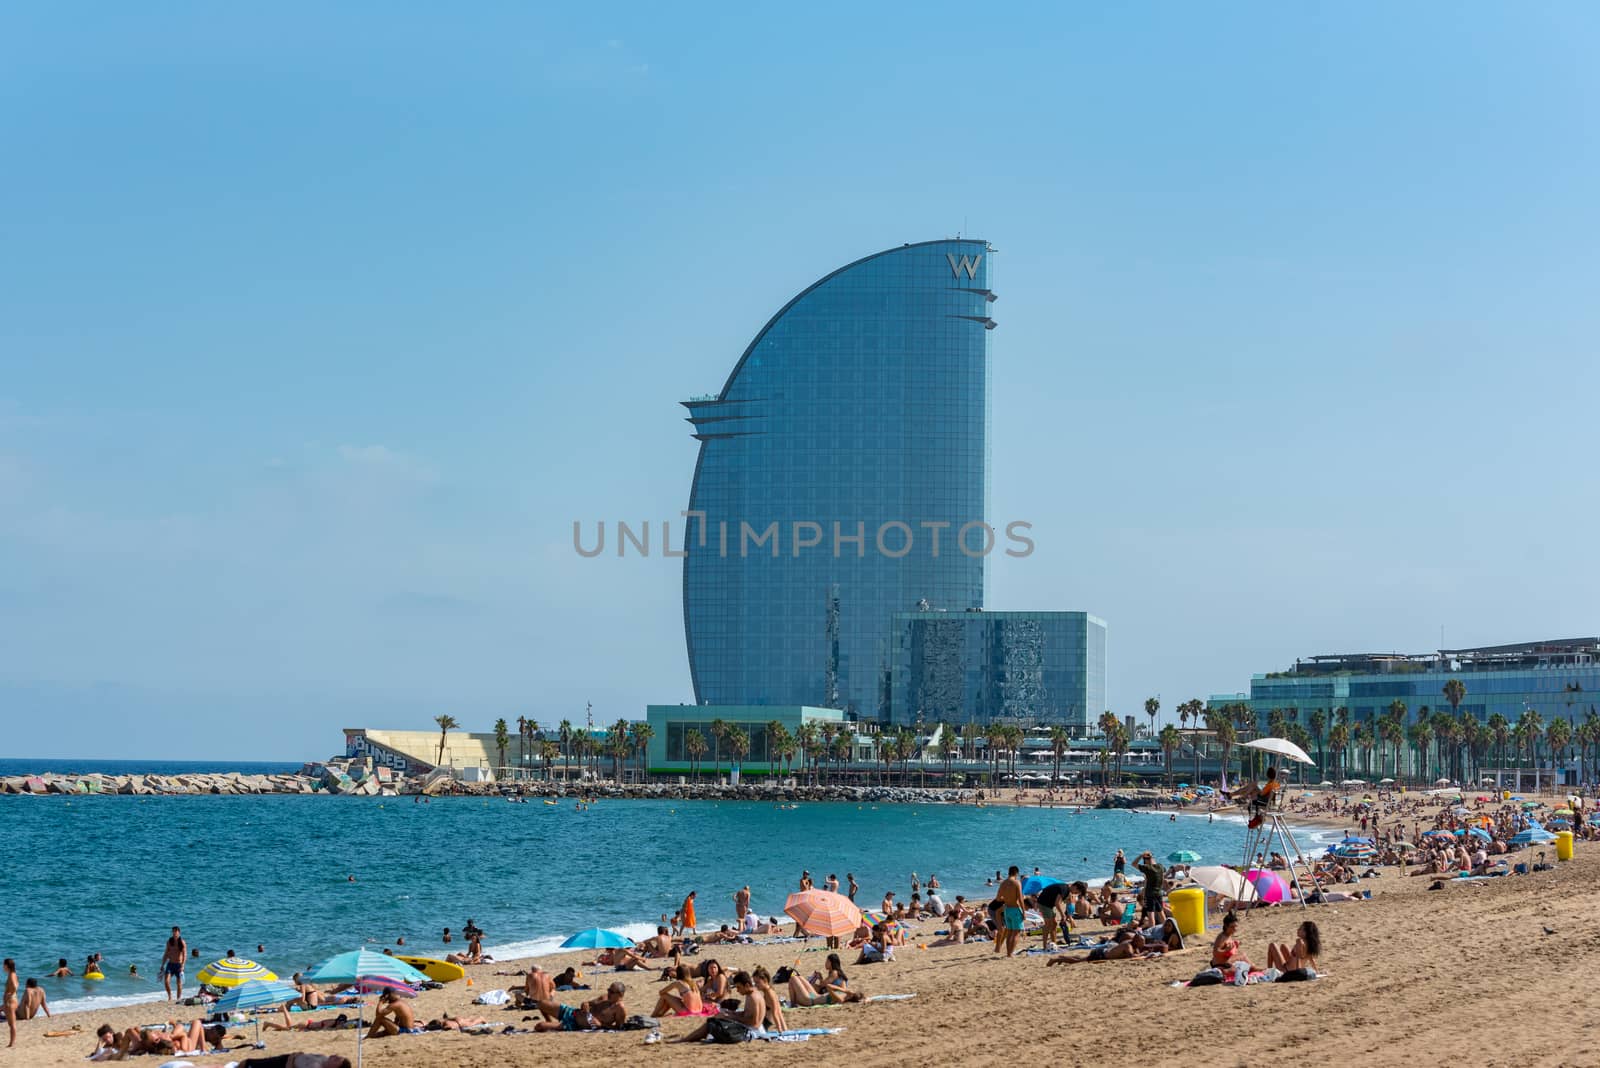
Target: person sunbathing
1299,961
196,1037
325,1024
829,988
622,959
454,1023
536,987
1125,945
680,997
603,1013
719,936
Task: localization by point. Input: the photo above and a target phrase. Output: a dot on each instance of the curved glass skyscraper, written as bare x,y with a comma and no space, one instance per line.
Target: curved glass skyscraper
841,479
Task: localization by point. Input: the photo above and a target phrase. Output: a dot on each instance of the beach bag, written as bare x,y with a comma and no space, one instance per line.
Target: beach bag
727,1031
638,1022
782,974
1209,977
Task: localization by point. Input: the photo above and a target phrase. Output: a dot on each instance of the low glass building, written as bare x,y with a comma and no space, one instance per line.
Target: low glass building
981,667
668,751
1558,679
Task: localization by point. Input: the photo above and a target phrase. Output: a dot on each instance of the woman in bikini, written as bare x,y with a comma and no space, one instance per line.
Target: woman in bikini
832,988
1297,962
680,997
1225,951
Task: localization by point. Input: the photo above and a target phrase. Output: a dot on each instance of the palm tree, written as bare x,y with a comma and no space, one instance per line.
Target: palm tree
1500,731
1152,705
807,737
994,739
738,743
1455,691
564,733
949,746
775,730
842,746
888,752
1421,737
1170,740
694,744
1059,742
641,735
1558,735
1339,738
1319,723
548,751
1365,740
719,740
1120,739
617,745
830,731
502,738
446,725
1392,733
522,737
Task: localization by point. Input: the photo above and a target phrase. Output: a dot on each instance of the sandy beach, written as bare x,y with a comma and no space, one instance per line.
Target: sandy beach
1462,975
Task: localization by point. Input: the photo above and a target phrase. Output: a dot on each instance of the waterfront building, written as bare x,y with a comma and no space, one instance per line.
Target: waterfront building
851,433
1039,668
670,750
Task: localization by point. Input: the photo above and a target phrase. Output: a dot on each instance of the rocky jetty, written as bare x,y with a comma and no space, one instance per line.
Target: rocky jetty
358,779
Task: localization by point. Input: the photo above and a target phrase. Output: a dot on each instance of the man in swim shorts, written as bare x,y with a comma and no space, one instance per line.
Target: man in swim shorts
172,959
1010,898
603,1013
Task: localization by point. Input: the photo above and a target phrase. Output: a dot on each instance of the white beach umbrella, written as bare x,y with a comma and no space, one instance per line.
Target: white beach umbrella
1282,747
1224,882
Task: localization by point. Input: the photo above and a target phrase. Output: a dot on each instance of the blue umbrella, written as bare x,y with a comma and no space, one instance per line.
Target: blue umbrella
1532,836
359,964
1035,883
597,938
1183,856
256,994
1479,832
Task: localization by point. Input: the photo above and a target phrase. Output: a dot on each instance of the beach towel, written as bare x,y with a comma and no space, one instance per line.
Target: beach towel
799,1035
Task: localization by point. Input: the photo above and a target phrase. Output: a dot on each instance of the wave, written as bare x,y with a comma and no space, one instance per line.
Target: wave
108,1001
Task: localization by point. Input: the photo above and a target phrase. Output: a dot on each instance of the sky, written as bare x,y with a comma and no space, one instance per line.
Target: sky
321,324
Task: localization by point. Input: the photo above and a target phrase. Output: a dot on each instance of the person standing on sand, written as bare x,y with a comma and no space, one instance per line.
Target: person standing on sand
172,960
1011,913
688,913
10,1004
741,903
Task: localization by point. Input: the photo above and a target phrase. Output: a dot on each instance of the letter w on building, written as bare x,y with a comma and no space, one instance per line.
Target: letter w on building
968,264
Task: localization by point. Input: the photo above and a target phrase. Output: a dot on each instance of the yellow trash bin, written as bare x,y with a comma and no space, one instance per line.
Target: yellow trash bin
1563,845
1188,907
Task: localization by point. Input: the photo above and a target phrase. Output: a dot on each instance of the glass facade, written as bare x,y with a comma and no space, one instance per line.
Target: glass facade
839,467
982,667
1559,680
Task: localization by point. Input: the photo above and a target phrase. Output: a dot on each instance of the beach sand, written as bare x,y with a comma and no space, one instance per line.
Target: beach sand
1463,975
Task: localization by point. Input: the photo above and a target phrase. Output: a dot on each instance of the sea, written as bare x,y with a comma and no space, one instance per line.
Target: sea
304,877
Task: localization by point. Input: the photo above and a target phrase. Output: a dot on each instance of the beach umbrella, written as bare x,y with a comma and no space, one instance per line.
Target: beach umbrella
597,938
822,912
1563,812
1224,882
1479,832
1324,782
1532,836
358,965
1035,883
1281,747
1441,782
231,972
1352,782
377,985
256,994
1269,885
1183,856
1385,782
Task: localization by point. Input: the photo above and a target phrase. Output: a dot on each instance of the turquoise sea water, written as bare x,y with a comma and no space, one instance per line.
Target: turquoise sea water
112,874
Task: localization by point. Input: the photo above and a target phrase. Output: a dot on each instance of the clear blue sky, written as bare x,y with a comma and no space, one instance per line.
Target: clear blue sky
320,324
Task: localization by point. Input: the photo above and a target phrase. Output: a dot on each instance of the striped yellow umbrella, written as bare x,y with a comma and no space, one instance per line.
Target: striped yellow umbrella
232,971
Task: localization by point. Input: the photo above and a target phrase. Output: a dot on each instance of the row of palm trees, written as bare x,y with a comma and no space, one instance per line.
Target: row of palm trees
622,740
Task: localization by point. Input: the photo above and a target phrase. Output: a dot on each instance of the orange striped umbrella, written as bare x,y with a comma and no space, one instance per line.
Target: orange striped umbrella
821,912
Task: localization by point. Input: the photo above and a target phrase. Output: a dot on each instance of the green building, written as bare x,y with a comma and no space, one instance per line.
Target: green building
668,752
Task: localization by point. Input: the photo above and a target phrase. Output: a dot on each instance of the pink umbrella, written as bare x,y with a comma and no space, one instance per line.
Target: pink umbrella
1269,884
377,984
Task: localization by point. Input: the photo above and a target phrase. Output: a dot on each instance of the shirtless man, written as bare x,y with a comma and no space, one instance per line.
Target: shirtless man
10,1006
454,1023
33,1001
537,987
391,1017
741,903
172,959
603,1013
62,969
288,1024
1010,897
658,946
